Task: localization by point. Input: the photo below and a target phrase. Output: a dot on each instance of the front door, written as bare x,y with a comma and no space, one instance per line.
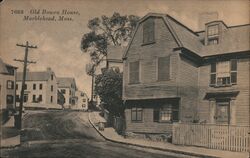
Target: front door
223,112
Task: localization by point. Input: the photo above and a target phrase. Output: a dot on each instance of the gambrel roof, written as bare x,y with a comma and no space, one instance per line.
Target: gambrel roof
235,38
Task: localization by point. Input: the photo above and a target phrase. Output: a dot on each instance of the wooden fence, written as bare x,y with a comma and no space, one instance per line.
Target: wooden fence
223,137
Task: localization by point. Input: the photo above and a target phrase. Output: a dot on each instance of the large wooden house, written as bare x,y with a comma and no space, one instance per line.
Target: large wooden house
173,74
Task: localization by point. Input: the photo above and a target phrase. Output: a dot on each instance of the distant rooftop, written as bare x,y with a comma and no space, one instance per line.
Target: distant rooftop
65,82
115,53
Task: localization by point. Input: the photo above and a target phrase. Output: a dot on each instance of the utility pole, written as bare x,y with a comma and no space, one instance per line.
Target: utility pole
25,61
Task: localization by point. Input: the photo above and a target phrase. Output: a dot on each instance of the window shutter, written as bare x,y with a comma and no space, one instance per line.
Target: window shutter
233,69
134,72
148,31
213,74
164,68
156,114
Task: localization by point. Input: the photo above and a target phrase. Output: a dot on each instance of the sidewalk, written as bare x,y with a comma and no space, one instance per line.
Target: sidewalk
10,136
111,135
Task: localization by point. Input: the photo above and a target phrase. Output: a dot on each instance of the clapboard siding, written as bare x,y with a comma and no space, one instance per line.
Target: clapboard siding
147,55
241,101
187,89
147,125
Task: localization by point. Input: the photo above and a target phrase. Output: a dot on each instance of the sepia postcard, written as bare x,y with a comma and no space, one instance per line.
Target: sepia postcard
124,78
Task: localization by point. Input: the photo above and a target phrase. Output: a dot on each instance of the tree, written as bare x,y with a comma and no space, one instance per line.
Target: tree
108,86
115,30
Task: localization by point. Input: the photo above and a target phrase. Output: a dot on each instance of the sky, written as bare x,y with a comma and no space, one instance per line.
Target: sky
58,42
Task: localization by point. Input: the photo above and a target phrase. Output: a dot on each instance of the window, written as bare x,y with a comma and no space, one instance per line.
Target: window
163,68
40,98
17,98
25,86
10,70
51,99
10,84
34,98
84,100
25,98
148,31
16,86
34,86
52,77
213,34
69,92
63,91
51,88
136,114
213,41
166,112
9,99
40,86
213,30
134,72
223,73
222,112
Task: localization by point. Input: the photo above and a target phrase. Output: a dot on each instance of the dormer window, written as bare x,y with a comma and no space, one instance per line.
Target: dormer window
148,31
213,34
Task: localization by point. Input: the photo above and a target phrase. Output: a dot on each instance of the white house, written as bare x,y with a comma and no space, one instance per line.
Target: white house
40,89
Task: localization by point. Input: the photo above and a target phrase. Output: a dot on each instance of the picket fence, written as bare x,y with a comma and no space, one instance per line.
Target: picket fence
223,137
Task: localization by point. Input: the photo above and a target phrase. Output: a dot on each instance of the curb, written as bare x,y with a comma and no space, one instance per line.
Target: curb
150,147
11,146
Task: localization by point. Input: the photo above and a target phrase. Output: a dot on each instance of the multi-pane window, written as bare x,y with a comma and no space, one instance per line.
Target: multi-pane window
213,34
136,114
223,73
163,68
40,86
134,72
34,98
9,99
213,30
34,86
40,98
167,112
10,84
17,98
25,98
148,31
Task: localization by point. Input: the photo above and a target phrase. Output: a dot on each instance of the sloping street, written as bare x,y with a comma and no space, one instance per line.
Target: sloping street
69,134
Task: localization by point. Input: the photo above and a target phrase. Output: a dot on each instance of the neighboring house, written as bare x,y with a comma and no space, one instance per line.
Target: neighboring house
40,89
114,57
67,86
7,88
173,74
82,101
60,98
